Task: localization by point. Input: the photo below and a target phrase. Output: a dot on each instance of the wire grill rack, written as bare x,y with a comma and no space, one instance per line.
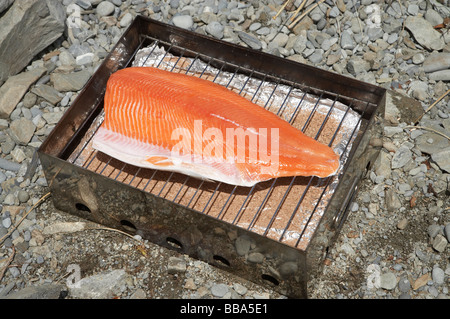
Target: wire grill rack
284,209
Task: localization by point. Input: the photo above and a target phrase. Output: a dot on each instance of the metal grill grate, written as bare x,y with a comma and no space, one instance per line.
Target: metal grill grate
284,209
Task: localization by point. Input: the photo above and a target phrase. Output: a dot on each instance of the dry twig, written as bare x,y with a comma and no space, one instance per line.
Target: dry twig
300,7
281,9
2,273
432,105
116,230
428,129
13,227
305,13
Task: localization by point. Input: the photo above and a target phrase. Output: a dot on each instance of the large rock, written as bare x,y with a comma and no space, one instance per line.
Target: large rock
442,159
424,33
22,130
101,286
436,62
15,88
71,81
45,291
4,4
28,27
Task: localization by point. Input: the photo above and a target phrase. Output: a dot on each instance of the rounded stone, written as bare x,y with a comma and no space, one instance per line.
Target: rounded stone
219,290
388,281
404,285
255,258
438,275
105,8
6,222
183,21
23,196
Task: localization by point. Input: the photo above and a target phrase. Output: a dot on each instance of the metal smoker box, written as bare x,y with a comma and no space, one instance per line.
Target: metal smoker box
276,233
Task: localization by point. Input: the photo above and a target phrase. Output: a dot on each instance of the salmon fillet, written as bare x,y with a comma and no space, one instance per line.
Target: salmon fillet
171,121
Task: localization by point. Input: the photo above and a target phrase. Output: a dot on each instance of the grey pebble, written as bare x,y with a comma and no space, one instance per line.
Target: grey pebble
433,291
26,113
375,33
392,38
433,230
443,114
357,66
438,275
433,17
442,159
42,181
2,177
388,281
404,296
22,130
105,8
215,29
23,196
263,31
174,4
404,187
422,257
334,12
27,235
354,207
219,290
392,201
183,21
126,20
418,58
255,258
398,267
240,289
404,285
29,100
65,100
176,265
439,243
250,40
317,56
402,156
390,131
66,58
85,59
6,222
15,272
255,26
86,5
447,231
347,42
413,9
39,259
436,62
443,75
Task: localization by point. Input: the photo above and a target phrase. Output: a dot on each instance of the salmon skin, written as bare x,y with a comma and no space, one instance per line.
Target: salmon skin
171,121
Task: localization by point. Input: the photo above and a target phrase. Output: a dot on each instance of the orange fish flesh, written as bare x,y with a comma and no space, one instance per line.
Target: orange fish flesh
171,121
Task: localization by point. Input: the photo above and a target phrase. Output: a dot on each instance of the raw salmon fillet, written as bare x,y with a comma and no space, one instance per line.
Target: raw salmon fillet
171,121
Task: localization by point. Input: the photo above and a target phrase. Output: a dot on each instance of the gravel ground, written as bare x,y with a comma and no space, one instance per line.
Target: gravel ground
394,243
